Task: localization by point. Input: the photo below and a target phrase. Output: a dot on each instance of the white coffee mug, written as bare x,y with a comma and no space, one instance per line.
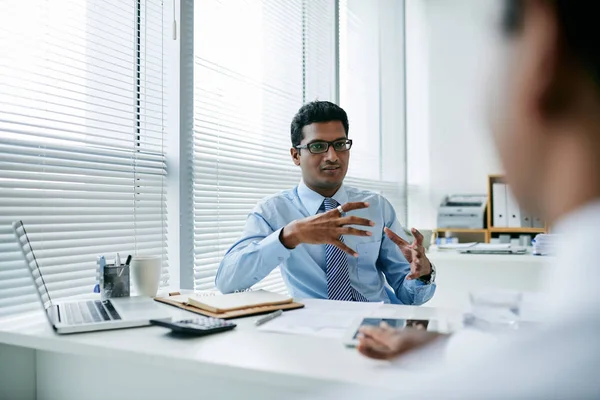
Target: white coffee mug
427,236
146,273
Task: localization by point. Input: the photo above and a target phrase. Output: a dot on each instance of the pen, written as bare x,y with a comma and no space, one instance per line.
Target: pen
101,264
128,260
269,317
117,260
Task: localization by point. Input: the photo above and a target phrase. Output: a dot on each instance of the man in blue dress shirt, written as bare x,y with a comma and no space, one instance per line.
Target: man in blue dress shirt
330,240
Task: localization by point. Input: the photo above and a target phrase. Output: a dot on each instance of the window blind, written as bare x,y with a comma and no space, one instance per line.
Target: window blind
359,83
82,107
320,48
372,93
255,62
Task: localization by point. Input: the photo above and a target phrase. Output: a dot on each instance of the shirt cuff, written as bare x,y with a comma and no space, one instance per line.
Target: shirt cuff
417,283
431,274
273,247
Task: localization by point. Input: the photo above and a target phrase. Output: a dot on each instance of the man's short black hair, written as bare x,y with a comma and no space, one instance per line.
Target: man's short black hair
316,111
578,25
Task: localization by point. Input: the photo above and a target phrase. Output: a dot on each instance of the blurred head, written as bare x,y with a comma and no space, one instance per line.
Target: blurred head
546,119
320,146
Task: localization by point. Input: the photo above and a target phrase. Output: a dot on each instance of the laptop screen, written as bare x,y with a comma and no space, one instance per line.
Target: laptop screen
32,263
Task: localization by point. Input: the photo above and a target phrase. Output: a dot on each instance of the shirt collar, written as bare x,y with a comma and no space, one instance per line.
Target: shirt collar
312,200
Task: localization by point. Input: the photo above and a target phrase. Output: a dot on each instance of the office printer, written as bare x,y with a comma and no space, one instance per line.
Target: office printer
465,211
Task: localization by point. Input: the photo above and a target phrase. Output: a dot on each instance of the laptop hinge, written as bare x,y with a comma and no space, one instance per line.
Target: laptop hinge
54,313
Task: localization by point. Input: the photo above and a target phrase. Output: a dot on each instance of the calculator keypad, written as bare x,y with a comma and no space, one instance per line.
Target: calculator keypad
205,323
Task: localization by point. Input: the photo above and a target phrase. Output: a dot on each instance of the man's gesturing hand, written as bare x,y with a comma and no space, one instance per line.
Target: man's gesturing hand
326,228
413,252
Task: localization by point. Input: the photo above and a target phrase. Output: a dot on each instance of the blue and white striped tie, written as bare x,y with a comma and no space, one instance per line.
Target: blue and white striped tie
338,279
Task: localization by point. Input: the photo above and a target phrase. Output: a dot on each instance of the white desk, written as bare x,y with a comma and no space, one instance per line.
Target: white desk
147,363
458,274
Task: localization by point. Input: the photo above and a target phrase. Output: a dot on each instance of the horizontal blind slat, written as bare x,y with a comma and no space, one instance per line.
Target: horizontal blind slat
82,149
230,169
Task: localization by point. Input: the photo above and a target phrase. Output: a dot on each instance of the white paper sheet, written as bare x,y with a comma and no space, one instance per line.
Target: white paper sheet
491,246
324,319
456,246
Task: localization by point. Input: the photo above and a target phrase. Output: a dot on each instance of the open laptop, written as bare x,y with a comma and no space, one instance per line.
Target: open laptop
72,316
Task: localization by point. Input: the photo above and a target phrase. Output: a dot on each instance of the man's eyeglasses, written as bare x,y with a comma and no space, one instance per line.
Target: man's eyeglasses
321,146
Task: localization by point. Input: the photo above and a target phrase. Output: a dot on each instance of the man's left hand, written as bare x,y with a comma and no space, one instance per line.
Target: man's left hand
413,252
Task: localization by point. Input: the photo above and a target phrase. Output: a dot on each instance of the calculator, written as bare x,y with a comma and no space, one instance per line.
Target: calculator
196,326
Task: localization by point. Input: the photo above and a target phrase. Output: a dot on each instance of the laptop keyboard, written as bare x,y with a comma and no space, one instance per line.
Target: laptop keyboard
87,312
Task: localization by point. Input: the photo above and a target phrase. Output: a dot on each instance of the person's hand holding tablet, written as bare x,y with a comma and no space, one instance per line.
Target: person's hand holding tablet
384,342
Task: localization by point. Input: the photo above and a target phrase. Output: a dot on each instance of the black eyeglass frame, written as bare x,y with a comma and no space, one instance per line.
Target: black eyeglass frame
347,143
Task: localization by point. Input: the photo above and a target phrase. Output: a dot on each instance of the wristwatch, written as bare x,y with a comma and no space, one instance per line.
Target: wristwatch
429,278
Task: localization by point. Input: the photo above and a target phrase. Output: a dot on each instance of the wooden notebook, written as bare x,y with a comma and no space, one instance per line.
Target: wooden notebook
231,305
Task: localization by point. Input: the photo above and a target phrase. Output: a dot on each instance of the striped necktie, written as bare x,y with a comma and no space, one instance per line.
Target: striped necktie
338,279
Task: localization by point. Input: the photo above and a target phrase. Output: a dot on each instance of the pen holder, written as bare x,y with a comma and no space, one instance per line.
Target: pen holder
115,281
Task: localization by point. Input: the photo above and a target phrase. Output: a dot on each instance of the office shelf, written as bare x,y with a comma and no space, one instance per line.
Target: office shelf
461,230
518,230
487,233
467,235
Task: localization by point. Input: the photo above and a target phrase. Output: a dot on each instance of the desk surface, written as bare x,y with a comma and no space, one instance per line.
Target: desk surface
245,352
459,274
487,259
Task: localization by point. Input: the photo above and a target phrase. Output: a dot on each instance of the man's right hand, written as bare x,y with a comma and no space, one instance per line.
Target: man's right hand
326,228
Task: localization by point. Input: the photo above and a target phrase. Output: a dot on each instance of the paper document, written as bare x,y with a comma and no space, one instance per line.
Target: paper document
455,246
321,318
491,247
238,301
503,248
185,295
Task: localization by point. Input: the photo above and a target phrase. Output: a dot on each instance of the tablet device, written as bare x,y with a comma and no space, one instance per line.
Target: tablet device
352,335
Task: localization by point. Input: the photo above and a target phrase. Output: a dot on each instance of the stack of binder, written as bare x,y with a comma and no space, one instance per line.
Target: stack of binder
507,213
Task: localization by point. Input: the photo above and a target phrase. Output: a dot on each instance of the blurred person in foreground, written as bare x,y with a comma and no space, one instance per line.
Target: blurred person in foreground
546,125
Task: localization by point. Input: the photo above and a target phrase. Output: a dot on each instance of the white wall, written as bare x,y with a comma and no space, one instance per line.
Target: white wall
449,143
